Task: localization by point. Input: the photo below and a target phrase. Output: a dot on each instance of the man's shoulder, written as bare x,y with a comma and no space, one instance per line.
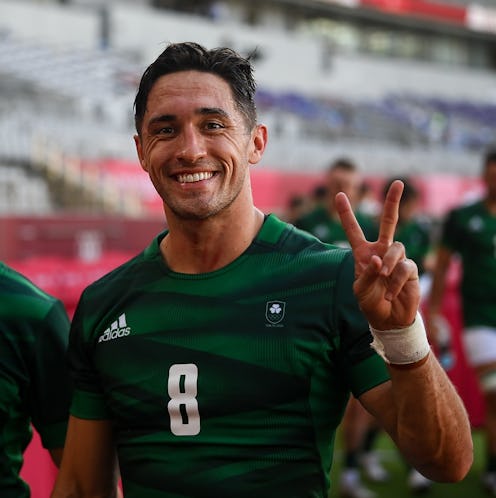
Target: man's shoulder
19,293
465,215
468,208
296,242
120,278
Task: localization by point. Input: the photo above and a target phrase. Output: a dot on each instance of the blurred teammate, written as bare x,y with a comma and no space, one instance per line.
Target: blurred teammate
34,380
219,361
413,230
470,232
358,429
368,203
296,207
323,221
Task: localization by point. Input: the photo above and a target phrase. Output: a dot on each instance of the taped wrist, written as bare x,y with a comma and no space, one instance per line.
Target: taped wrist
402,346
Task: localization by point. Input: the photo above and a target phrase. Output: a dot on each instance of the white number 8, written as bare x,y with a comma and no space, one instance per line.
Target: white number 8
183,406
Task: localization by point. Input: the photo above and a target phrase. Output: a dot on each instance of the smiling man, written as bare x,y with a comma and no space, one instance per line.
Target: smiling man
243,336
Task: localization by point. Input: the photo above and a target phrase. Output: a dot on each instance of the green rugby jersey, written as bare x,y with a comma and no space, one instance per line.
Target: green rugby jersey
34,379
470,231
415,235
331,231
229,383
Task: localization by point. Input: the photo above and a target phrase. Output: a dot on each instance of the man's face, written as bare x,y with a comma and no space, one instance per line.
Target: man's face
195,145
408,209
342,180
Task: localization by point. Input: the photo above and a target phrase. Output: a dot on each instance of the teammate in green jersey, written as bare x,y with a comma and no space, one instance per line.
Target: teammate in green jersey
323,221
414,230
219,361
470,232
34,380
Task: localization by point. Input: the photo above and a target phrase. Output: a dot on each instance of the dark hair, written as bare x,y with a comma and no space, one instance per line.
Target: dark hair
319,193
343,163
409,189
188,56
489,157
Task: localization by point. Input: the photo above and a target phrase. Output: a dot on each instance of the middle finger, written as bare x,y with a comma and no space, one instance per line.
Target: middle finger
394,254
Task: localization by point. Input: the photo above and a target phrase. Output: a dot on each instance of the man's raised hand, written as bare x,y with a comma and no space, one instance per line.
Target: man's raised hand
386,282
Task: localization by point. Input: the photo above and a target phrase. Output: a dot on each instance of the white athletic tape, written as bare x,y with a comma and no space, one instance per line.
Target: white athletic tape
402,346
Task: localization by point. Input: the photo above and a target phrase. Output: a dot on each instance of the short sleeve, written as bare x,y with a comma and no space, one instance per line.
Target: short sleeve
449,231
362,367
50,387
88,401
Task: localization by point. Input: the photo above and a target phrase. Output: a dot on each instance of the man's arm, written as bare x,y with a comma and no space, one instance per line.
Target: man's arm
422,412
419,406
56,455
89,463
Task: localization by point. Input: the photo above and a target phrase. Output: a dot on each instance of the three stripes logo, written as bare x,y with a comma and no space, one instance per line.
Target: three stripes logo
117,329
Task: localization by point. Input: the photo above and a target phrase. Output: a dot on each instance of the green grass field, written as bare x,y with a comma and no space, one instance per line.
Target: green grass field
397,487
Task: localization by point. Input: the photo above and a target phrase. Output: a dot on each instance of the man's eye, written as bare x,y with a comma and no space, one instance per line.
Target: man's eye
214,126
166,130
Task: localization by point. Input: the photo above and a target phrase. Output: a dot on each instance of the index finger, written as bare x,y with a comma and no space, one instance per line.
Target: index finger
352,228
389,216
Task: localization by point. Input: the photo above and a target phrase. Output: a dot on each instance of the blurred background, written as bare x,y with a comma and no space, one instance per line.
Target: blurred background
403,87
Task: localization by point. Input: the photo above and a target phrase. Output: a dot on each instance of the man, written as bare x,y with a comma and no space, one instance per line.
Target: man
470,232
413,230
34,380
218,362
323,221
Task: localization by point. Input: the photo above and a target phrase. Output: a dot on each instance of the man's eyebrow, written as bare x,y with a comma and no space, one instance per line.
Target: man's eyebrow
203,111
213,110
163,118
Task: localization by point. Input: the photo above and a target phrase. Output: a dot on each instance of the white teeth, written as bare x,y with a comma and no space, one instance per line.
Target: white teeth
195,177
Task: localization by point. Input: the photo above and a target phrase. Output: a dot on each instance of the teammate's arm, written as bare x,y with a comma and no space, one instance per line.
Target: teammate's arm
89,465
441,265
56,455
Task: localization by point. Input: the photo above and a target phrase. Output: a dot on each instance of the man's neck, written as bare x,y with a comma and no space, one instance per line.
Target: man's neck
202,246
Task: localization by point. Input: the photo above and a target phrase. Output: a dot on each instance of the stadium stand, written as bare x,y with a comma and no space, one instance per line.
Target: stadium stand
95,86
23,193
66,92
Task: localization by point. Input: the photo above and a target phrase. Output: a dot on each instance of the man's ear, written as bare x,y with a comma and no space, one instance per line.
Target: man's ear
258,143
139,150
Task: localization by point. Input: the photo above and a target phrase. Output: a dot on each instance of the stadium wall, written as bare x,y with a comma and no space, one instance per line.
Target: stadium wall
83,238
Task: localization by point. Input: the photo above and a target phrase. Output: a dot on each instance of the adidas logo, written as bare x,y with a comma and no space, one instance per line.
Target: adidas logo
117,329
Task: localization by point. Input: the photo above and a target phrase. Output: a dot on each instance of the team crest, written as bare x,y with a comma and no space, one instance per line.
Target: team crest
274,311
476,224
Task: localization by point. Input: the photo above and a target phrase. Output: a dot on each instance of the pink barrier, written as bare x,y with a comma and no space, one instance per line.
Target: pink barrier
66,278
462,375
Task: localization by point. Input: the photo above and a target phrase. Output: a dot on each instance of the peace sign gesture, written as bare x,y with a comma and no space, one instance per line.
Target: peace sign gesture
386,282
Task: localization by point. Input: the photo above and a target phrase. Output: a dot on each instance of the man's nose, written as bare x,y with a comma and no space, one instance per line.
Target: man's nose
191,145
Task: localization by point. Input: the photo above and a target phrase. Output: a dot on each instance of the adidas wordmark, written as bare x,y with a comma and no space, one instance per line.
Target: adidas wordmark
116,330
